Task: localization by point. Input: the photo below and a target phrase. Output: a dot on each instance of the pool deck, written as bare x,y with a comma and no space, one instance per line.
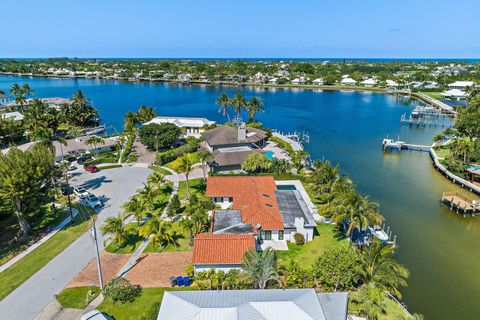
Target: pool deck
278,153
299,186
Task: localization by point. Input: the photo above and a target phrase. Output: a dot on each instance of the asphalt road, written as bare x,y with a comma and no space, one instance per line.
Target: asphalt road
114,187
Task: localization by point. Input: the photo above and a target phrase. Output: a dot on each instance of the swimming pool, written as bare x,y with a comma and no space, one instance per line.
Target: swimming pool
286,187
269,154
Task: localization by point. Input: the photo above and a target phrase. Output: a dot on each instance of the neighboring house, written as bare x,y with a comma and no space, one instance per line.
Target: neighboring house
273,80
348,82
299,80
53,102
267,304
184,77
230,146
392,84
75,147
220,251
15,116
369,82
318,81
251,212
461,85
455,94
191,127
4,99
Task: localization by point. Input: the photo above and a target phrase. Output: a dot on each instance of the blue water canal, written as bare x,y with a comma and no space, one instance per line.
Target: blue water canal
441,250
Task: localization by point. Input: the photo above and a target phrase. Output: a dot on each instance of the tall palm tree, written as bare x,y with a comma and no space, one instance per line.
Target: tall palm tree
146,114
463,146
94,141
148,194
381,269
372,301
260,266
224,101
254,105
161,232
114,227
203,156
185,166
135,207
157,179
239,103
21,94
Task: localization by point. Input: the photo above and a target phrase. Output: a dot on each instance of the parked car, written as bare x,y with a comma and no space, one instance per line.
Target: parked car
80,192
95,315
82,159
66,190
92,169
71,167
92,201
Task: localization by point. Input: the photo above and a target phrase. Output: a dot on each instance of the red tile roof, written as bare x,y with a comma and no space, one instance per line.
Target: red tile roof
212,248
253,196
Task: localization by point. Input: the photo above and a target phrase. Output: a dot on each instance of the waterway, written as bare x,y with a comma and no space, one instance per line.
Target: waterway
441,250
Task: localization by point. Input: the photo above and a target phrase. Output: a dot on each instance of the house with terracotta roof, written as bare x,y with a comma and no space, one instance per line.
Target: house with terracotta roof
230,146
251,213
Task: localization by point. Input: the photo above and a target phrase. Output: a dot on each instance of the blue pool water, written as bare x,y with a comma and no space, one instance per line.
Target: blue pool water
440,249
286,187
269,154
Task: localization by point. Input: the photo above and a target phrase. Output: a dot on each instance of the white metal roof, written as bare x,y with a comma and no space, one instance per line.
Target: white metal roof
182,121
275,304
348,80
462,84
15,115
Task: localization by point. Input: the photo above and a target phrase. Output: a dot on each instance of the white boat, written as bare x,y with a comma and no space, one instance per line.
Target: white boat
379,233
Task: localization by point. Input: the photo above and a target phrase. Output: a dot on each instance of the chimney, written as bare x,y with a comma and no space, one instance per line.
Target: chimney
242,132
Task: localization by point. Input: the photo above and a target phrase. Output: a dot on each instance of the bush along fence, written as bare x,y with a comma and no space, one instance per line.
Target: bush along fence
128,147
170,155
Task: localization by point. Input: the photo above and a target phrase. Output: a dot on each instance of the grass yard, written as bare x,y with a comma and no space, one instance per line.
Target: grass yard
443,152
175,163
128,247
9,228
18,273
284,145
147,304
161,170
113,166
306,254
77,297
197,186
393,310
433,94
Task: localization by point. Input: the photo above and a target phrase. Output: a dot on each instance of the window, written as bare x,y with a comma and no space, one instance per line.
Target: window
267,235
280,235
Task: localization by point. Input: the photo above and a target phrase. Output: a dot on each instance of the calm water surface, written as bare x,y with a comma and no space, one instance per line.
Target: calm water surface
441,250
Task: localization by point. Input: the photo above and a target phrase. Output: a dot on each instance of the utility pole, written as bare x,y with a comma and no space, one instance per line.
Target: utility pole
95,241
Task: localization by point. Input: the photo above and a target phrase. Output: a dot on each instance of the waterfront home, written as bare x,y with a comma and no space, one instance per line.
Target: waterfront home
299,80
15,116
461,85
76,147
191,127
232,145
369,82
273,80
318,81
4,100
454,94
184,77
251,212
348,82
53,102
267,304
392,84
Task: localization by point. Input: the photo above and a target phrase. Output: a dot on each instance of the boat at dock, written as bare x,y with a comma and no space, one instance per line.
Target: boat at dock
397,146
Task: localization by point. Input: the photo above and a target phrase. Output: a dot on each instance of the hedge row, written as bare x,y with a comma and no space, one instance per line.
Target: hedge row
128,147
109,159
170,155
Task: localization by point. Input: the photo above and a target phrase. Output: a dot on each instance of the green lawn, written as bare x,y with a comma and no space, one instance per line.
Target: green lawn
434,94
443,152
139,309
161,170
174,164
113,166
77,297
9,227
197,186
129,247
306,254
18,273
393,311
284,145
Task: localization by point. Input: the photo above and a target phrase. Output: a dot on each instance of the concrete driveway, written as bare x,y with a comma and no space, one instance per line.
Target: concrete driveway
114,186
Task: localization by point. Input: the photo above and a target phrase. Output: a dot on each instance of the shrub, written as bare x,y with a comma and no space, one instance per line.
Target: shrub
128,147
120,289
190,270
299,238
170,155
174,205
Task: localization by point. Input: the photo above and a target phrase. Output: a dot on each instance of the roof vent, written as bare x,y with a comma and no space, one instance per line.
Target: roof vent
268,205
265,195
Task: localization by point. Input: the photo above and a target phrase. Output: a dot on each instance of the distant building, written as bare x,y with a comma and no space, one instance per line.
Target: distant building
299,80
15,116
455,94
54,102
461,85
392,84
369,82
191,127
4,99
348,82
76,147
318,81
232,145
268,304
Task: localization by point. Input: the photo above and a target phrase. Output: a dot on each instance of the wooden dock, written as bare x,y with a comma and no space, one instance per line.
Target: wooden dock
460,203
396,145
424,121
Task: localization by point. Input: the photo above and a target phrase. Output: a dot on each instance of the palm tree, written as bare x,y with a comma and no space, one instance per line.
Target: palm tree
161,232
224,101
114,227
131,120
254,105
260,266
185,166
203,156
135,207
148,194
146,114
94,141
239,103
21,94
372,301
463,146
157,179
382,270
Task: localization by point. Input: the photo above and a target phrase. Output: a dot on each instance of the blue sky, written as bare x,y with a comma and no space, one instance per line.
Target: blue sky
246,28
